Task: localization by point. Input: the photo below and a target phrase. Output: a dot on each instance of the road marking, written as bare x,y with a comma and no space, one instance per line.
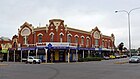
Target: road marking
122,62
3,64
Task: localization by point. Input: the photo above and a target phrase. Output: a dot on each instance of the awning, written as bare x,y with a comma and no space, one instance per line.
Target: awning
28,48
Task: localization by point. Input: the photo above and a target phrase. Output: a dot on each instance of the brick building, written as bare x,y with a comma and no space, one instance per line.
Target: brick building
5,44
59,42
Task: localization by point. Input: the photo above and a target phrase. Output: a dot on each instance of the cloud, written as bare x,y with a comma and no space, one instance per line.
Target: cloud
76,13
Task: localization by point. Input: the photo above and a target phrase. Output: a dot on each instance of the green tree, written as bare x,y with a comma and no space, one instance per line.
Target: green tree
120,47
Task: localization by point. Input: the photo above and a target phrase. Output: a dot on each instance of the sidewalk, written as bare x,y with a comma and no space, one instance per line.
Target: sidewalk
122,61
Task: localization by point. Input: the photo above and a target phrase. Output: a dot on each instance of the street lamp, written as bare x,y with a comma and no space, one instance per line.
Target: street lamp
128,14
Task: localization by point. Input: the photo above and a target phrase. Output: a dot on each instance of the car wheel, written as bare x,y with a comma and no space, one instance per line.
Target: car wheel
34,62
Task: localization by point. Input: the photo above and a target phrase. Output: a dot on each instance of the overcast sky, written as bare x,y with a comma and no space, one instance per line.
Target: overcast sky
80,14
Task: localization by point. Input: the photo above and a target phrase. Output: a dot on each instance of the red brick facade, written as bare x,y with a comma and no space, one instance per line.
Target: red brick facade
68,44
57,29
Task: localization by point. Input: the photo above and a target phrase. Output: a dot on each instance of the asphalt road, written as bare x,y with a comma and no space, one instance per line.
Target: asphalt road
106,69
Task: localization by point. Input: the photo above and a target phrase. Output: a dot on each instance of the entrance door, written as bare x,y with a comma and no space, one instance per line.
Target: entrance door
61,56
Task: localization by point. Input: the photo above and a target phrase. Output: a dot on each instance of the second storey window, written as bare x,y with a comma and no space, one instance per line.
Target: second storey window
76,39
102,43
96,42
61,39
106,44
51,38
40,38
109,43
87,42
25,40
69,38
82,40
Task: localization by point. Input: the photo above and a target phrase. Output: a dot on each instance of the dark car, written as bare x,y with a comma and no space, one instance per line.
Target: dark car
1,59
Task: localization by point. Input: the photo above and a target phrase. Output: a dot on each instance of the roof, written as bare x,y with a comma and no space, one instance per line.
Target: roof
4,39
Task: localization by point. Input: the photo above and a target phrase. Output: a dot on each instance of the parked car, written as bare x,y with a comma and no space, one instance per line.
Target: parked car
1,59
33,60
117,56
106,57
124,56
111,56
134,59
24,59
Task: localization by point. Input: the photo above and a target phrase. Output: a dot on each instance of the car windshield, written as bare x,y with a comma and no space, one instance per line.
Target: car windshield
134,57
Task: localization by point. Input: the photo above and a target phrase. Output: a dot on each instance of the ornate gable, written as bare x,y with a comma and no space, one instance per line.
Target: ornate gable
96,33
26,29
56,23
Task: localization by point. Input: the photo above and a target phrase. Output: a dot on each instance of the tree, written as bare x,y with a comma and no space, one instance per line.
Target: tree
120,47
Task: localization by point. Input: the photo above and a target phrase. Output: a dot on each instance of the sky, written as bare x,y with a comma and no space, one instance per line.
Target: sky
79,14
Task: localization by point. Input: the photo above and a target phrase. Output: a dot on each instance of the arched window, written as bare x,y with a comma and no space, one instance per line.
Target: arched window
61,38
25,39
103,43
96,42
82,40
69,38
87,42
15,44
40,38
51,38
106,43
109,43
76,39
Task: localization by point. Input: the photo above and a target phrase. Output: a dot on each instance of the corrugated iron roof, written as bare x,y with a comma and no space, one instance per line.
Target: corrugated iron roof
5,39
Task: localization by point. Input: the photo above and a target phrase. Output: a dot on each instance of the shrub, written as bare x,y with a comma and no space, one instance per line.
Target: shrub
81,59
94,58
90,59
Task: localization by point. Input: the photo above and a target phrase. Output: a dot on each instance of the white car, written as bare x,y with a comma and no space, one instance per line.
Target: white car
134,59
33,60
117,56
106,57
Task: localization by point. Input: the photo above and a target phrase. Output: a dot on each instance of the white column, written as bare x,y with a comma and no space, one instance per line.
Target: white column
69,56
46,57
36,52
76,55
88,53
83,54
14,55
21,55
28,52
8,56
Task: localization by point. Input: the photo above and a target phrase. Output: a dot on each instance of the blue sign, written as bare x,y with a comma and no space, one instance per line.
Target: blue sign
49,45
100,49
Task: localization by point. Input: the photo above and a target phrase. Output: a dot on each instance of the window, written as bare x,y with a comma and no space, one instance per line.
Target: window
61,39
69,38
82,40
96,42
25,32
109,43
102,43
76,39
15,44
25,40
96,35
40,38
87,42
51,38
105,43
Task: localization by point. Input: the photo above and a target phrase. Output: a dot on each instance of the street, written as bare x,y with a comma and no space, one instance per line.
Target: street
106,69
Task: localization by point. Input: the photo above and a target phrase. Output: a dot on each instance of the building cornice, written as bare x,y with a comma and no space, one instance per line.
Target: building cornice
77,30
